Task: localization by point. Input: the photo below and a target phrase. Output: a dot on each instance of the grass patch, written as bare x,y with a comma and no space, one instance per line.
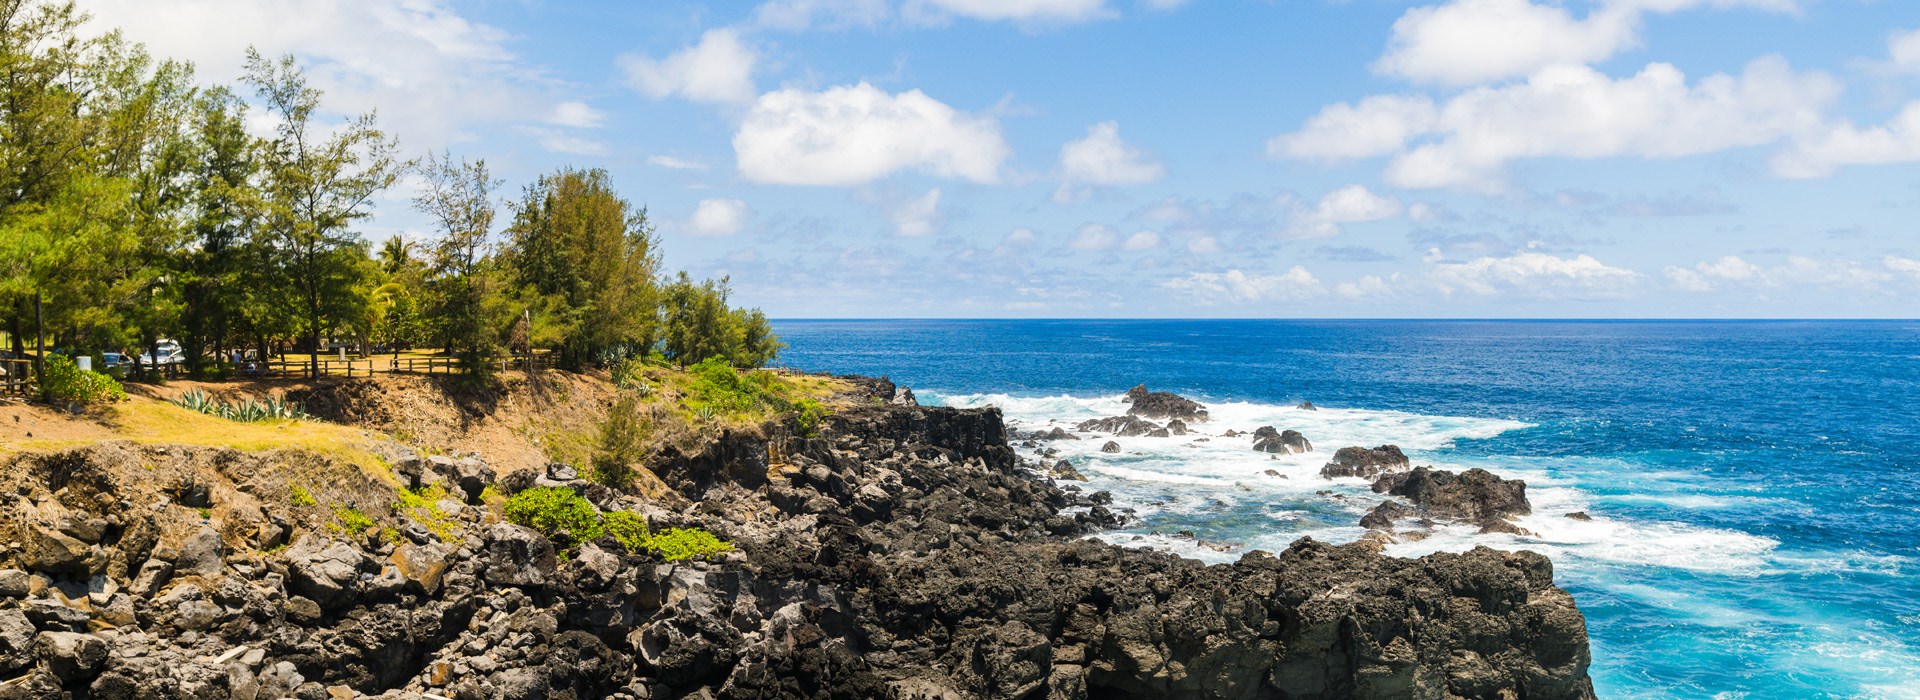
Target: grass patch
302,497
351,520
424,507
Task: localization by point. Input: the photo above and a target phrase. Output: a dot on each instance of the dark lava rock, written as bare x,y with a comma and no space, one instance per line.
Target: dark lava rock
1269,440
1111,447
1475,496
1307,406
1063,469
1161,404
1580,515
1366,463
1055,434
1123,426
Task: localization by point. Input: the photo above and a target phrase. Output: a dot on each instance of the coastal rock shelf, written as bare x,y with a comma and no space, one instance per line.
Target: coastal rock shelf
898,551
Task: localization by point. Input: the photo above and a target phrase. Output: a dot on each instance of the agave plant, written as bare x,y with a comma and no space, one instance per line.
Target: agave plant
707,411
197,401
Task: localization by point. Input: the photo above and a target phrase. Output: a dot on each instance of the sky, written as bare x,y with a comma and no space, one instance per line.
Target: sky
1169,158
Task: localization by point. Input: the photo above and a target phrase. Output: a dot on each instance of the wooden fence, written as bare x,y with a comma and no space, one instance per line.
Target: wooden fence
16,378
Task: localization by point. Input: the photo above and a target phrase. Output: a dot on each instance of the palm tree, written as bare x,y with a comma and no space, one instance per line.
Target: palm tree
396,254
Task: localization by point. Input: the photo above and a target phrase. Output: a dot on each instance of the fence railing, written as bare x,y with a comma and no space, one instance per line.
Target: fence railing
16,378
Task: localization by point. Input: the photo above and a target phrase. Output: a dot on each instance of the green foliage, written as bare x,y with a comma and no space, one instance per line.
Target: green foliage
622,444
808,413
627,527
718,388
352,520
302,497
675,544
556,512
585,259
700,326
65,381
630,373
424,507
248,411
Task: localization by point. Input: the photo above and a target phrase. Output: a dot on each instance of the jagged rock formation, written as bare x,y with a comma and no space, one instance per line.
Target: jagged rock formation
1164,405
1123,426
1366,463
1475,496
898,552
1269,440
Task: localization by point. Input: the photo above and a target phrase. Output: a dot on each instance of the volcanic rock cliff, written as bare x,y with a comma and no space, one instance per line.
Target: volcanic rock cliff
895,551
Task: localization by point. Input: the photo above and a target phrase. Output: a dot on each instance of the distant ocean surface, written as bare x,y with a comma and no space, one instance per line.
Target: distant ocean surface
1755,486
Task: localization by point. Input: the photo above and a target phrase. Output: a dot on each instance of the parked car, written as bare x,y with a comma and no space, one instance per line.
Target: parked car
166,352
114,359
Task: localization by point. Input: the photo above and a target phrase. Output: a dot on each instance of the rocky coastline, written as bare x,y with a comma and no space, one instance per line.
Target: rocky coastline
892,551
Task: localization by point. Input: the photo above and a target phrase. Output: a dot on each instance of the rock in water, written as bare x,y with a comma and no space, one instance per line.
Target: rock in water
1269,440
1063,469
1161,404
1307,406
1475,496
1111,447
1123,426
1364,462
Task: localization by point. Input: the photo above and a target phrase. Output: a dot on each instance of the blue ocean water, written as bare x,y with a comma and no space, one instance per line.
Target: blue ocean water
1755,486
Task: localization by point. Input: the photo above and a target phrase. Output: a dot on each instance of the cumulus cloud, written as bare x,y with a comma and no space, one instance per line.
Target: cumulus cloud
718,69
1377,126
1103,159
429,71
1572,112
1469,42
1824,151
1235,286
1796,271
919,216
855,134
578,115
1093,237
1347,205
1535,275
1141,240
1903,51
717,217
1026,11
563,141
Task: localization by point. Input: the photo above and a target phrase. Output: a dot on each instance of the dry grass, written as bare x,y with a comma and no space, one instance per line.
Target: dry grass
150,421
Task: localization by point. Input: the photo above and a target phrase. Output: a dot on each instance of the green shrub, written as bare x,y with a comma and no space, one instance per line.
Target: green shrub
556,512
809,413
63,380
622,444
303,497
627,527
675,544
248,411
352,520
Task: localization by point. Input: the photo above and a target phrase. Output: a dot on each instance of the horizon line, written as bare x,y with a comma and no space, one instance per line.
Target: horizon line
1533,319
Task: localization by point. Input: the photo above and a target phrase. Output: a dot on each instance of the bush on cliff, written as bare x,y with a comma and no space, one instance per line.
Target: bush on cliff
672,544
623,442
718,388
556,512
65,381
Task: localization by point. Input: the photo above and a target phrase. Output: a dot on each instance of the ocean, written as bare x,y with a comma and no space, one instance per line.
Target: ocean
1754,486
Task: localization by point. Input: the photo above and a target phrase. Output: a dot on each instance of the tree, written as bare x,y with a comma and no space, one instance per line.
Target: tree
700,325
316,188
226,217
459,197
585,261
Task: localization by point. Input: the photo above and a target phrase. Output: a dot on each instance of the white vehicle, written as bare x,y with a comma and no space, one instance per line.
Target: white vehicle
166,352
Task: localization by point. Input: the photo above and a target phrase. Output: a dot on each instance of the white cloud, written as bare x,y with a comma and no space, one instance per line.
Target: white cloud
673,163
855,134
1377,126
1903,50
1141,240
578,115
1821,153
718,69
718,217
1094,237
1469,42
562,141
1574,112
1536,275
1028,11
1103,159
1347,205
1016,242
429,71
1239,287
803,15
1368,287
919,216
1795,272
1203,245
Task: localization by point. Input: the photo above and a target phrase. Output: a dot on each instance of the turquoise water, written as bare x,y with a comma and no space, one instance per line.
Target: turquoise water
1755,486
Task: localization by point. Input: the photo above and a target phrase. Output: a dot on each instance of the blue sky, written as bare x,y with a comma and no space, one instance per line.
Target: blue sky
1168,158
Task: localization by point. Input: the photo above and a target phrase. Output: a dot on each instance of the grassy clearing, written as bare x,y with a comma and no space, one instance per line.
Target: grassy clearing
155,422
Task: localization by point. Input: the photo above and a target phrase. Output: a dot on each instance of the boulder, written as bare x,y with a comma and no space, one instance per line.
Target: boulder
55,552
1580,515
1474,496
326,572
1272,441
16,641
423,565
1122,426
1366,463
201,554
1055,434
1063,469
561,471
517,556
15,583
1111,447
1161,404
469,474
1307,406
71,656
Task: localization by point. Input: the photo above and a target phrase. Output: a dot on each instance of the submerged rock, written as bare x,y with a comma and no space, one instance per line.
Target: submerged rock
1122,426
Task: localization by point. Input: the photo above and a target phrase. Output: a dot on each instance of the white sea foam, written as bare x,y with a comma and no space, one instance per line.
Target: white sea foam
1191,476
